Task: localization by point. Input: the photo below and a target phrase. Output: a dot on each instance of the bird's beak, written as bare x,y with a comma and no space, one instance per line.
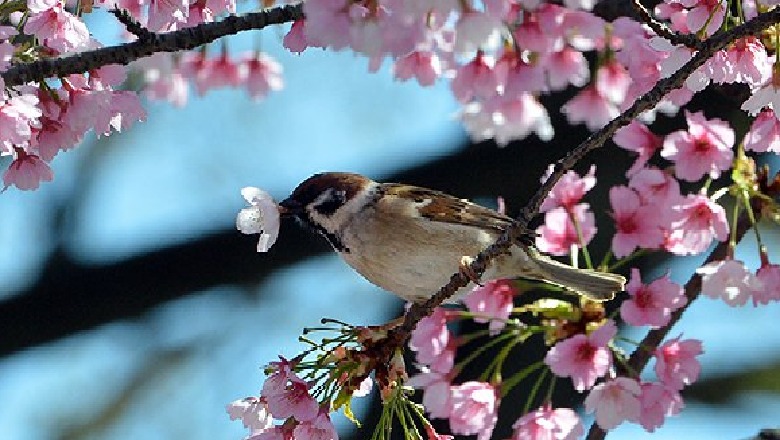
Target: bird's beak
289,207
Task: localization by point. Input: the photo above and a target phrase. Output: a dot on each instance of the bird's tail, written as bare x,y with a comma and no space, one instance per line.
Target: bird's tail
598,286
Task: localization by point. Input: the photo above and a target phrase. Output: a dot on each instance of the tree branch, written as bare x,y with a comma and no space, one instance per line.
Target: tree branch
183,39
596,140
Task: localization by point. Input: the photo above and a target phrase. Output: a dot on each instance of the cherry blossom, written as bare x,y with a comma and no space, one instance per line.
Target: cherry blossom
262,217
263,74
744,61
584,358
764,133
704,149
18,117
767,286
550,423
637,225
612,81
492,302
698,220
558,234
591,108
638,138
437,398
675,362
424,66
253,413
431,340
614,402
55,27
475,79
651,304
728,280
658,402
474,409
27,171
657,188
569,190
287,395
319,428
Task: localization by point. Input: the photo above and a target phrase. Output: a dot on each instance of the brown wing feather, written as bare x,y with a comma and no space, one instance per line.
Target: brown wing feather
438,206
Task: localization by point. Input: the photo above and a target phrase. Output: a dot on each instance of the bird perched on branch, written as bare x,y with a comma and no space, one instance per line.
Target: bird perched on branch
409,240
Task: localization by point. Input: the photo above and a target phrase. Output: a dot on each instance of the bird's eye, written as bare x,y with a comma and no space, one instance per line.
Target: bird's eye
331,200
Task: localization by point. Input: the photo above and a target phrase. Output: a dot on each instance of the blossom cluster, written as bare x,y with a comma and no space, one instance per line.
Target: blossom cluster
587,357
39,120
501,56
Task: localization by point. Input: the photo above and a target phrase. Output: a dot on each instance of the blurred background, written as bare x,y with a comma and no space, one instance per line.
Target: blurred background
130,307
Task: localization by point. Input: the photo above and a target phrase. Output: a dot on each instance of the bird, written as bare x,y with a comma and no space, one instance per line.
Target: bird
409,240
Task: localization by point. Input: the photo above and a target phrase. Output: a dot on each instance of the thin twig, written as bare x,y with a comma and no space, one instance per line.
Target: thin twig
132,25
688,40
183,39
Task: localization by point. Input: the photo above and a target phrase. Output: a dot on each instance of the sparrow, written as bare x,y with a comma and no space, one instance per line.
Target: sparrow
409,240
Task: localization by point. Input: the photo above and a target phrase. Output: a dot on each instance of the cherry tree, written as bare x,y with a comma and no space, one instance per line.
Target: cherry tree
695,190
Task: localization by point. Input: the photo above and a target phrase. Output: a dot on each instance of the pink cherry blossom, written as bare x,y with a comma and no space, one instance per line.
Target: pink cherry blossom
658,402
167,15
558,234
612,81
728,280
474,409
252,411
287,395
767,286
277,432
675,362
698,220
546,423
651,304
431,341
18,117
764,133
566,67
704,149
704,12
590,108
507,119
492,302
475,79
541,30
327,23
638,138
319,428
569,190
657,188
27,171
262,217
473,30
424,66
744,61
55,27
121,111
520,76
636,225
295,40
767,96
584,358
614,402
437,398
263,74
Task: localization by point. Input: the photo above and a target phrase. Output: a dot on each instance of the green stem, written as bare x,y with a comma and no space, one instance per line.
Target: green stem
580,239
535,390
